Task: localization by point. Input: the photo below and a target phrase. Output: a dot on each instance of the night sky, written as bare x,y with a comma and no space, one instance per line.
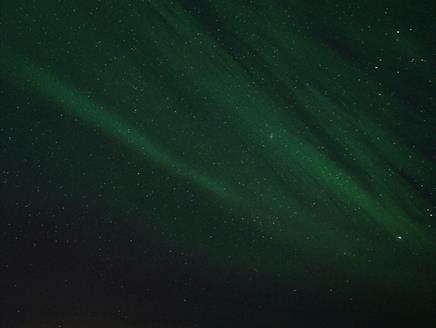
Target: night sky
225,163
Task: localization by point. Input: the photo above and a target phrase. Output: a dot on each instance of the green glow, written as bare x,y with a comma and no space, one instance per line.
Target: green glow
304,141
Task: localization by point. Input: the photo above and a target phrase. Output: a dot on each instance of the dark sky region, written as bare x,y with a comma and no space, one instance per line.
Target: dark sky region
217,163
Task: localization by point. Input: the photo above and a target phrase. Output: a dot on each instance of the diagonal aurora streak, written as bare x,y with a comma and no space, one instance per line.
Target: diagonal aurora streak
289,153
73,102
303,139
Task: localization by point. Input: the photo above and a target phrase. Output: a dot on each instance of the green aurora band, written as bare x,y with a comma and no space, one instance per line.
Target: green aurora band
311,140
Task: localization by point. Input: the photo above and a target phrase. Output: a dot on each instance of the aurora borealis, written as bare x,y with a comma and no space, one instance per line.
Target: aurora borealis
217,163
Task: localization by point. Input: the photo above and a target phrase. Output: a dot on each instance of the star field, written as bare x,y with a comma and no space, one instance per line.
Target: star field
217,163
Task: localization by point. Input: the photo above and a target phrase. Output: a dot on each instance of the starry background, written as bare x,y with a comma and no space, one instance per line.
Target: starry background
217,163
